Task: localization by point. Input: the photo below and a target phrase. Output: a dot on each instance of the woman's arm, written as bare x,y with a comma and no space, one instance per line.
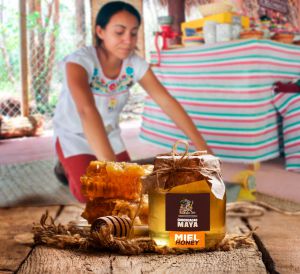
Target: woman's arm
93,126
173,109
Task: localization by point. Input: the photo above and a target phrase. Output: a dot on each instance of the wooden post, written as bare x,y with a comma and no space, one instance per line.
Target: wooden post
176,9
23,55
141,35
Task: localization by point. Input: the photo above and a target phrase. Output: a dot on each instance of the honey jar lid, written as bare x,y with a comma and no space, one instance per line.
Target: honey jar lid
175,169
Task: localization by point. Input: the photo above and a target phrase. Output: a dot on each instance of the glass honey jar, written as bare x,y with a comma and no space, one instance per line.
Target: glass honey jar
187,202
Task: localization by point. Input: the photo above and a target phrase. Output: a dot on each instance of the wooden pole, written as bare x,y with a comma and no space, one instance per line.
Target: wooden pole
141,36
23,55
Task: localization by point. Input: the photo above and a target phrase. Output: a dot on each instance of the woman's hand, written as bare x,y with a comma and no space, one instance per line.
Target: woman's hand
173,109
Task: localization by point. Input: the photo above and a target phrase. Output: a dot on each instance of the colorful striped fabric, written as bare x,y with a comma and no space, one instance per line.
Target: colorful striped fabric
288,105
227,89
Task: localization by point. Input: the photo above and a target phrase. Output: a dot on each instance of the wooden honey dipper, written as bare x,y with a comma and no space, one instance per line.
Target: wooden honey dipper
119,226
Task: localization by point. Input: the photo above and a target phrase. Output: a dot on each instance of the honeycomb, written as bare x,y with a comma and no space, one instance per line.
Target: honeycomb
118,180
100,207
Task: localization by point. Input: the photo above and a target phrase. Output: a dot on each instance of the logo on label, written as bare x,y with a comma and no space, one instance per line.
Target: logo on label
186,207
187,212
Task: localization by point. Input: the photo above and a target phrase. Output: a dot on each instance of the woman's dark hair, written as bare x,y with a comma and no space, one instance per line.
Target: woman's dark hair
110,9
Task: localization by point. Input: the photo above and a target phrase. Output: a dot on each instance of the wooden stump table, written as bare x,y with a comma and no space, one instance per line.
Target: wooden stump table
276,250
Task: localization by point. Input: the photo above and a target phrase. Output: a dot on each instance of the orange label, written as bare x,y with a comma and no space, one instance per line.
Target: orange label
190,239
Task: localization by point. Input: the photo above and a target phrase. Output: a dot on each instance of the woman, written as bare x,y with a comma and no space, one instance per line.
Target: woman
95,89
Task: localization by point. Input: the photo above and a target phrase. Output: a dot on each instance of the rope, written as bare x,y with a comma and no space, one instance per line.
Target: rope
254,209
70,236
47,232
166,173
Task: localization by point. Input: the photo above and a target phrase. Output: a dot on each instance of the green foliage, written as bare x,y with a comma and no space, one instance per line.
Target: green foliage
55,30
64,32
8,88
9,36
49,107
32,20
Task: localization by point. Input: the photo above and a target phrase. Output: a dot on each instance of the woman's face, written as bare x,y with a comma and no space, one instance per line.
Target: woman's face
119,37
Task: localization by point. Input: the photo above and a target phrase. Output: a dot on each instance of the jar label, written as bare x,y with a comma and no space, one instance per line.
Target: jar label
187,212
192,239
187,217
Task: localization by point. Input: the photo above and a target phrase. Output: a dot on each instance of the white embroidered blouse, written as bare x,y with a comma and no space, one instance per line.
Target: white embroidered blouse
110,96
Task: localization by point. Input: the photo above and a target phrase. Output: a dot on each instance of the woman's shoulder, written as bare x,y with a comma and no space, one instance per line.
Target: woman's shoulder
84,57
137,61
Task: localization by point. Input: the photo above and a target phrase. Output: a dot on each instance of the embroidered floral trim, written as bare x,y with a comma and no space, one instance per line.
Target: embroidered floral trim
102,86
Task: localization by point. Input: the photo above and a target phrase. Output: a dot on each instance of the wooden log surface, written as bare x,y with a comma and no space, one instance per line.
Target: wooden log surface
71,213
16,221
236,261
279,236
50,260
53,260
45,259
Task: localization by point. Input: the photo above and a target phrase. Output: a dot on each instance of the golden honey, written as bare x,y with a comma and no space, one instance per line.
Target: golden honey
157,214
187,201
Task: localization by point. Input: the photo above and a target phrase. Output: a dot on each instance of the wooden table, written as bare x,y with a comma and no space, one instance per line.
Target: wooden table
277,239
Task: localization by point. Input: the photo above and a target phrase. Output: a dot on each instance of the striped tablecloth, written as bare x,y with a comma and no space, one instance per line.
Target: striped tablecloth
227,89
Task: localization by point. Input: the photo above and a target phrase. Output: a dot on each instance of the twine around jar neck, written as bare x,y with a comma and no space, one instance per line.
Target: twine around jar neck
174,167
